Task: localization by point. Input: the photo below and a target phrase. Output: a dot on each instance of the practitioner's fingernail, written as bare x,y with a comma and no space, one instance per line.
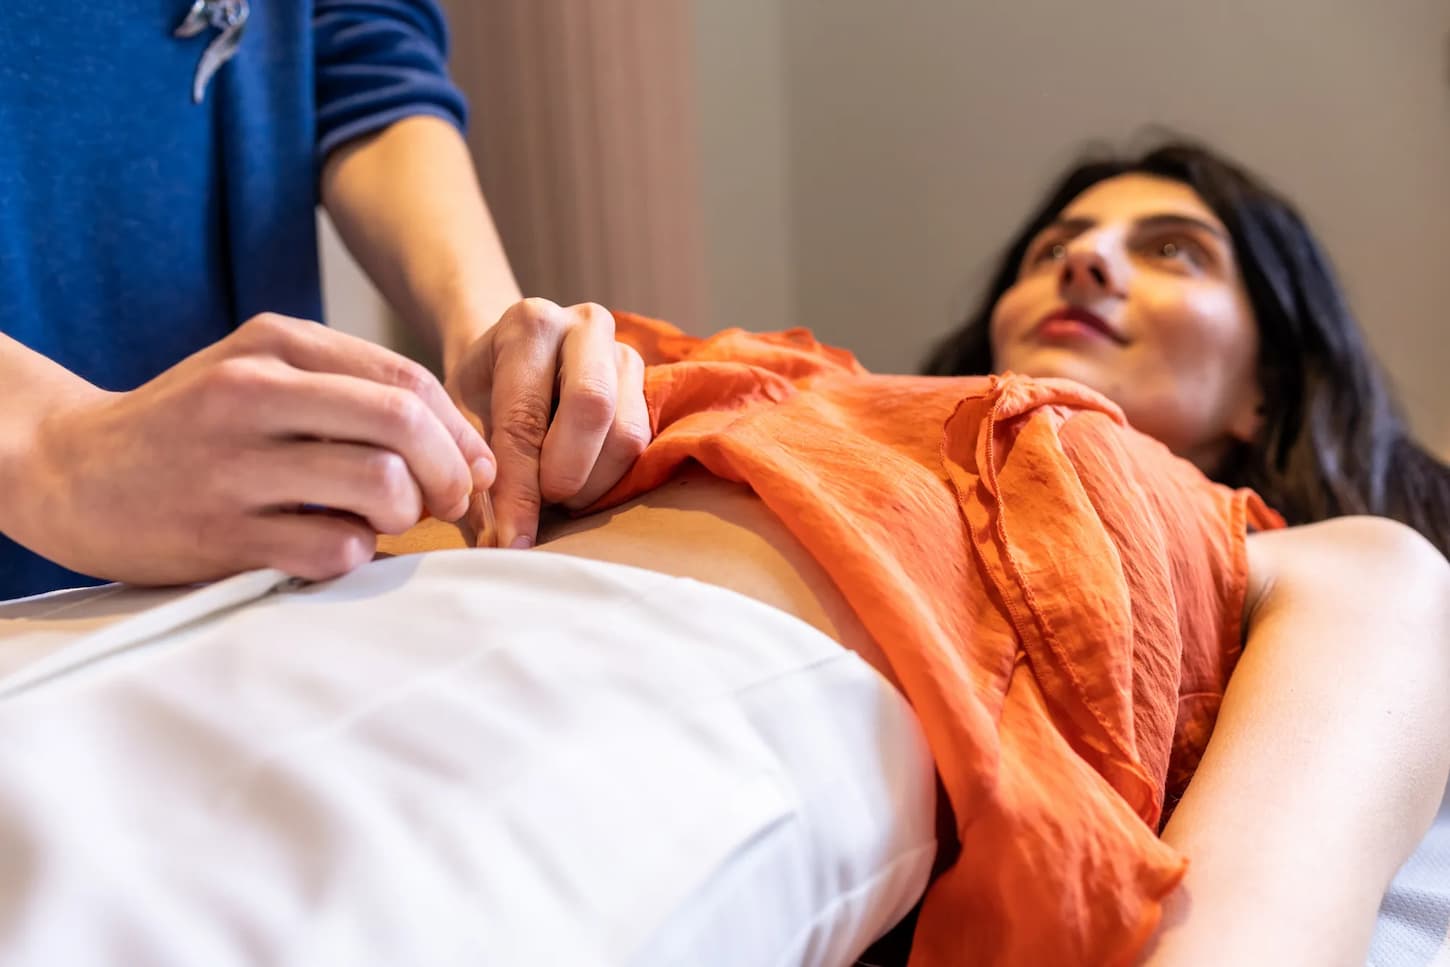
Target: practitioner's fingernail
522,543
482,471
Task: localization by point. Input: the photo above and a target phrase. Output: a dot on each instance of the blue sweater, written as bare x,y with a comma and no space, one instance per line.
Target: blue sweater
137,227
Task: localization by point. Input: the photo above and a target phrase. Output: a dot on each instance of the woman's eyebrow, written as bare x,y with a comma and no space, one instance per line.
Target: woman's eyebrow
1166,220
1071,226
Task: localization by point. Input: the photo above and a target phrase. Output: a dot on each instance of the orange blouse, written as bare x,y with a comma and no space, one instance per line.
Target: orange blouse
1059,596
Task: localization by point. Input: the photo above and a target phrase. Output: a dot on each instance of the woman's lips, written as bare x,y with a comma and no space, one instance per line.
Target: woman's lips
1075,324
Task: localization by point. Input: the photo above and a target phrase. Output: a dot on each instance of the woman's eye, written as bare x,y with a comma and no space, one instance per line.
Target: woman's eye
1177,250
1055,252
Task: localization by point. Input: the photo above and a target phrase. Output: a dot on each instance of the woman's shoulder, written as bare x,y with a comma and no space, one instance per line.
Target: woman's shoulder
1343,554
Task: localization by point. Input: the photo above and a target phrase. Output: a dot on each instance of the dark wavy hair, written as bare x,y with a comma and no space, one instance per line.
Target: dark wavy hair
1333,440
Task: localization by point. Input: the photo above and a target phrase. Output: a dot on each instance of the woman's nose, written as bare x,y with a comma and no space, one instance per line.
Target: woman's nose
1086,274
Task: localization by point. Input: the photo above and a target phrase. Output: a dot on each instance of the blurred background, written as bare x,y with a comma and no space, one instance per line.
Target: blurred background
855,166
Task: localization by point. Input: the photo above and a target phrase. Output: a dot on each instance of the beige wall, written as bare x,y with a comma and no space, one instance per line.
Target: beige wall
746,214
350,302
918,133
583,127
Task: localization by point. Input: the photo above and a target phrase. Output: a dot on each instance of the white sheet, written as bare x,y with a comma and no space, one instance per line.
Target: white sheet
1414,920
486,758
321,887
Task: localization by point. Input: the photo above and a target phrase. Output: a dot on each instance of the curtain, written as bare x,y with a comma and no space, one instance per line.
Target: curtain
585,135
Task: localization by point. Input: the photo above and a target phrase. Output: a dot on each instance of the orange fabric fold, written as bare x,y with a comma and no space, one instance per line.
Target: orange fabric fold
1059,596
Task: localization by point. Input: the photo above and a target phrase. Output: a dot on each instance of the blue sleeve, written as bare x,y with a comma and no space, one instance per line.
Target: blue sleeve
378,61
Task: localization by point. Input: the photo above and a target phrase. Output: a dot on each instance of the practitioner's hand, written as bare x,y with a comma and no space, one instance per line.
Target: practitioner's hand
285,445
539,353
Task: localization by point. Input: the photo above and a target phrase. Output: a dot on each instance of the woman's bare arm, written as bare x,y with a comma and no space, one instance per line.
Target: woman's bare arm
1330,754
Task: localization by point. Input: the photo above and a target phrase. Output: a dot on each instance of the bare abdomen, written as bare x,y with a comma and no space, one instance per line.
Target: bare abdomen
701,527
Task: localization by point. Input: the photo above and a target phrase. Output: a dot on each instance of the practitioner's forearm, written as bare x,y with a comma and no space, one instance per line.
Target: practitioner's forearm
408,204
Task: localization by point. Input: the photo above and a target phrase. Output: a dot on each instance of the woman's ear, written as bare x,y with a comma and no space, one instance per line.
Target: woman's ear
1249,419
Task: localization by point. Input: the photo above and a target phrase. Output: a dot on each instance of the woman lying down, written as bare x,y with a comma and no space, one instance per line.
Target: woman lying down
1063,600
1080,620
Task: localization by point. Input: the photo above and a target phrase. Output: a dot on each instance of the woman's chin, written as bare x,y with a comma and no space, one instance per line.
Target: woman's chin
1059,363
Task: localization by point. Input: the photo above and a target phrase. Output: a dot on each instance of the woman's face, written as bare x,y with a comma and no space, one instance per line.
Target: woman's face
1134,292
